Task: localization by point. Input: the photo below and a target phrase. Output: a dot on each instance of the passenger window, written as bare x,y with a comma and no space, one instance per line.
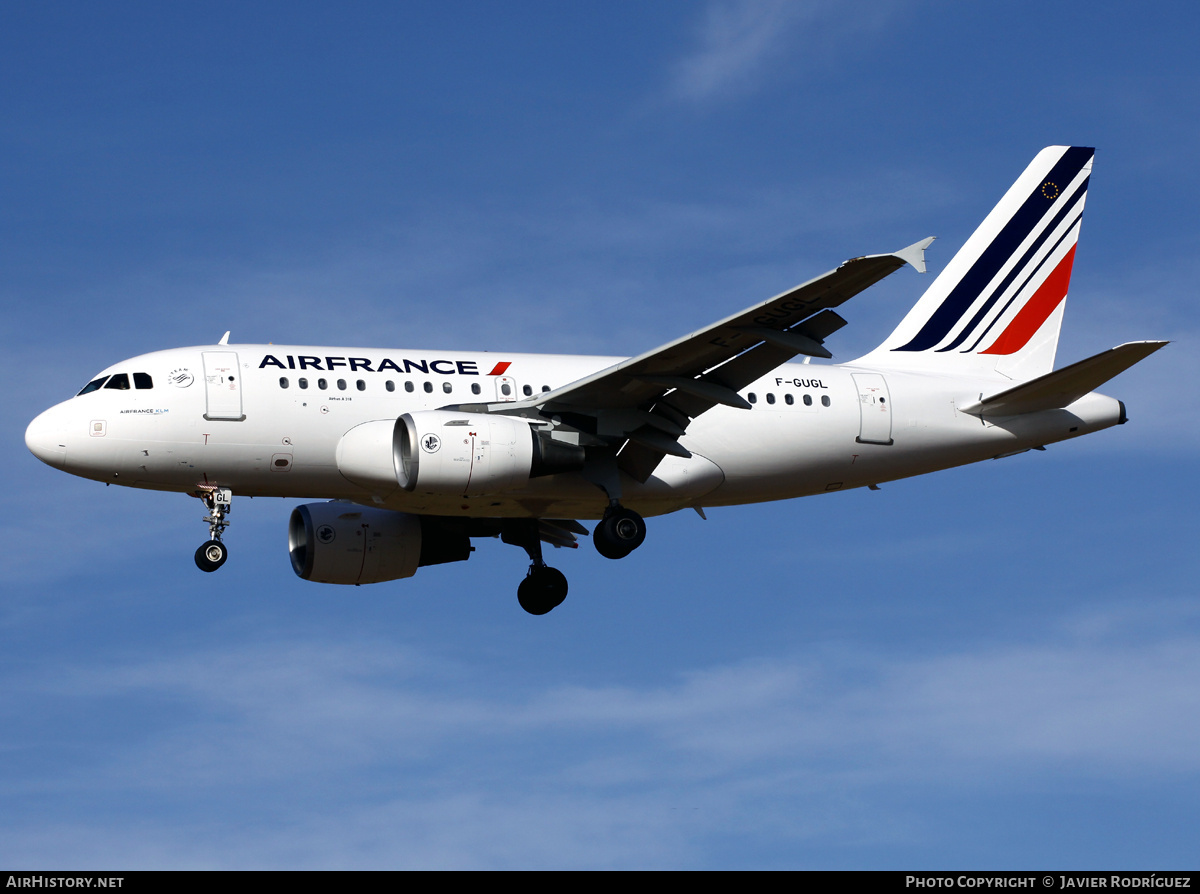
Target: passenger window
119,382
302,382
428,387
322,384
770,398
505,389
824,400
142,381
527,390
545,388
475,388
361,385
752,397
788,399
283,382
93,385
341,384
408,386
390,386
447,387
808,400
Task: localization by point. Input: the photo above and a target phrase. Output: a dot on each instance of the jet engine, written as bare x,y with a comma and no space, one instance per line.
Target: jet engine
343,543
448,453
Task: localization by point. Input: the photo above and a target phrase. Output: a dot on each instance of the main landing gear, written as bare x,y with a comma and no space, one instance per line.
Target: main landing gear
619,533
544,588
212,554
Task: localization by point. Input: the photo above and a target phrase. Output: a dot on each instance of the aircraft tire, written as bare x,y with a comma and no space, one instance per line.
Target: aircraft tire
211,555
619,533
543,589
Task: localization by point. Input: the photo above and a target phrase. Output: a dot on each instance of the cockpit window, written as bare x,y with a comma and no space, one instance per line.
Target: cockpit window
93,385
142,381
119,382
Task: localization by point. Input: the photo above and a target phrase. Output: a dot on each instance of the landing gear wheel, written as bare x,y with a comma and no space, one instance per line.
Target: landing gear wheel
211,555
619,533
543,589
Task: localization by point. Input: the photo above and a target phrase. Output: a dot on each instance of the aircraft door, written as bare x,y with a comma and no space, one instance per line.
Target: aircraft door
506,388
223,386
875,409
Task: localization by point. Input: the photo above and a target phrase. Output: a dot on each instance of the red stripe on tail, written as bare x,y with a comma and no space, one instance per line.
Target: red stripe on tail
1037,310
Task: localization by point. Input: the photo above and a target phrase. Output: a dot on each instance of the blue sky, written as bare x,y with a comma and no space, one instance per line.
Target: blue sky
991,667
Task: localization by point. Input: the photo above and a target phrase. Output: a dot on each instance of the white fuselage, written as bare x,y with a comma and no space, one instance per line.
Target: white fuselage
266,420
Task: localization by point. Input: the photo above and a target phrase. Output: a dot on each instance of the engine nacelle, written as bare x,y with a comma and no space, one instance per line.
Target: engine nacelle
343,543
447,453
457,453
369,455
443,452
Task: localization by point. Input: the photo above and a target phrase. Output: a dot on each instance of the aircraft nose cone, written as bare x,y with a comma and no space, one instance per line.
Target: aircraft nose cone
46,440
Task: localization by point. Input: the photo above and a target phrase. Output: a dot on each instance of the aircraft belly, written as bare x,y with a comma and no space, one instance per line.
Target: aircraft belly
677,483
678,478
773,454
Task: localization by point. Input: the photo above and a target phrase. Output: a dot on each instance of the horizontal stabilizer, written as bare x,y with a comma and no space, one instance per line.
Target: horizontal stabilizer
1063,387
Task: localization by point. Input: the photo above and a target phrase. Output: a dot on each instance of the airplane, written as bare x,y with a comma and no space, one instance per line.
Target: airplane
413,453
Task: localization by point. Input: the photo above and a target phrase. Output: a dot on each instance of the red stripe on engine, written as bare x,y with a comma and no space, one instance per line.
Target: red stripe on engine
500,368
1037,310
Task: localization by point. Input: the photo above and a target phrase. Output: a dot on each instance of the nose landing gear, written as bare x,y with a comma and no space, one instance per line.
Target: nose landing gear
212,554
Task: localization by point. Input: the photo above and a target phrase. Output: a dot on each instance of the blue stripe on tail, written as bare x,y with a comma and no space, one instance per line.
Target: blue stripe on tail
997,254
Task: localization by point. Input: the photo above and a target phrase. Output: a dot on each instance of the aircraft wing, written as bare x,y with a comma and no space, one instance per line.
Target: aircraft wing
779,322
643,405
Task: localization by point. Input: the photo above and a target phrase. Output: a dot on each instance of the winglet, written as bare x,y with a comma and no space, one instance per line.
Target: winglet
224,339
915,254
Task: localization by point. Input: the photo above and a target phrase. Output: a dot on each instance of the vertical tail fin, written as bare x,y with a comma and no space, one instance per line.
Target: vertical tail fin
998,305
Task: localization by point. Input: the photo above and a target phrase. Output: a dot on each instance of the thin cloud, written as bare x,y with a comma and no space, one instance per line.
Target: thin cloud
590,775
739,41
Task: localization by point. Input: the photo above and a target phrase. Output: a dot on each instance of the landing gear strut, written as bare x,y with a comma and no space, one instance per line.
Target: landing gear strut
621,530
544,587
619,533
212,554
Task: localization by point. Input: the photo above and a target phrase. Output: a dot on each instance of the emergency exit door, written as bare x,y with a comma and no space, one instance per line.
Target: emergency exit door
875,409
